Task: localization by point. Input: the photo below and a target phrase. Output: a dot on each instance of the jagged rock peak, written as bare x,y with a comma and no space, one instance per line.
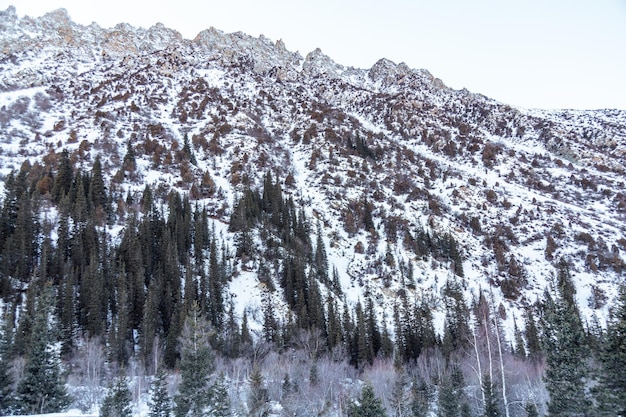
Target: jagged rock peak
387,71
9,14
317,63
238,47
58,17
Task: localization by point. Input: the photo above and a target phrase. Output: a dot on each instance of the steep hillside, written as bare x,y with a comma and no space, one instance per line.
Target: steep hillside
408,187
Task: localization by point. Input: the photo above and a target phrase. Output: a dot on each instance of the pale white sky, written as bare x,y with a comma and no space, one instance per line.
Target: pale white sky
531,53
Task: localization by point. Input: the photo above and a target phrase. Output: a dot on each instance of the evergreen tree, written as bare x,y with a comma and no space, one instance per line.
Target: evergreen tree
531,410
519,349
129,164
220,401
613,360
6,380
368,405
399,404
117,402
535,351
422,397
451,394
491,402
566,353
257,397
97,191
42,389
196,366
64,177
160,403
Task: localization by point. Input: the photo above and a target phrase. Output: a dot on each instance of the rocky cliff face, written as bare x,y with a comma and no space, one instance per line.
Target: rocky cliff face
517,189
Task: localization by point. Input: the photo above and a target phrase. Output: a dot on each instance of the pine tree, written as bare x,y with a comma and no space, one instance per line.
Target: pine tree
97,191
257,397
450,398
42,389
519,349
117,402
535,351
531,410
160,403
491,402
422,397
6,380
196,366
220,401
64,177
368,405
613,360
566,352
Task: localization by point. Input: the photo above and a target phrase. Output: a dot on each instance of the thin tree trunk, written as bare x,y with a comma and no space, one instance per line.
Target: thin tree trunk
498,339
480,370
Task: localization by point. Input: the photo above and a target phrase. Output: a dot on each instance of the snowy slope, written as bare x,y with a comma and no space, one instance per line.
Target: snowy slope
502,181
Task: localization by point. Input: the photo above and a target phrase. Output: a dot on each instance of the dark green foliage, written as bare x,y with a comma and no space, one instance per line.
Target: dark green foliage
566,352
456,327
6,380
413,329
535,352
257,397
129,164
451,399
441,247
97,190
220,401
194,392
612,395
160,403
117,402
531,410
422,396
368,405
187,152
491,408
42,389
270,324
519,349
20,234
64,177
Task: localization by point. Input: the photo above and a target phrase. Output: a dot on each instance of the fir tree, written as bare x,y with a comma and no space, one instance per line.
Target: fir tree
491,402
535,351
220,401
160,403
196,366
451,394
63,179
422,397
368,405
566,353
6,380
519,349
613,360
42,389
531,410
257,397
117,402
97,191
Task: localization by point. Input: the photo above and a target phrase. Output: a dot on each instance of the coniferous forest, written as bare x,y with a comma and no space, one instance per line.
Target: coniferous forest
109,300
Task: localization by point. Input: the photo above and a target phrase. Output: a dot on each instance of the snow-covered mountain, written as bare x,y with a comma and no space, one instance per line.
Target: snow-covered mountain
516,189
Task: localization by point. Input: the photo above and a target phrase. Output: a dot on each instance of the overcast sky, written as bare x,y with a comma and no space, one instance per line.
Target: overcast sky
531,53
